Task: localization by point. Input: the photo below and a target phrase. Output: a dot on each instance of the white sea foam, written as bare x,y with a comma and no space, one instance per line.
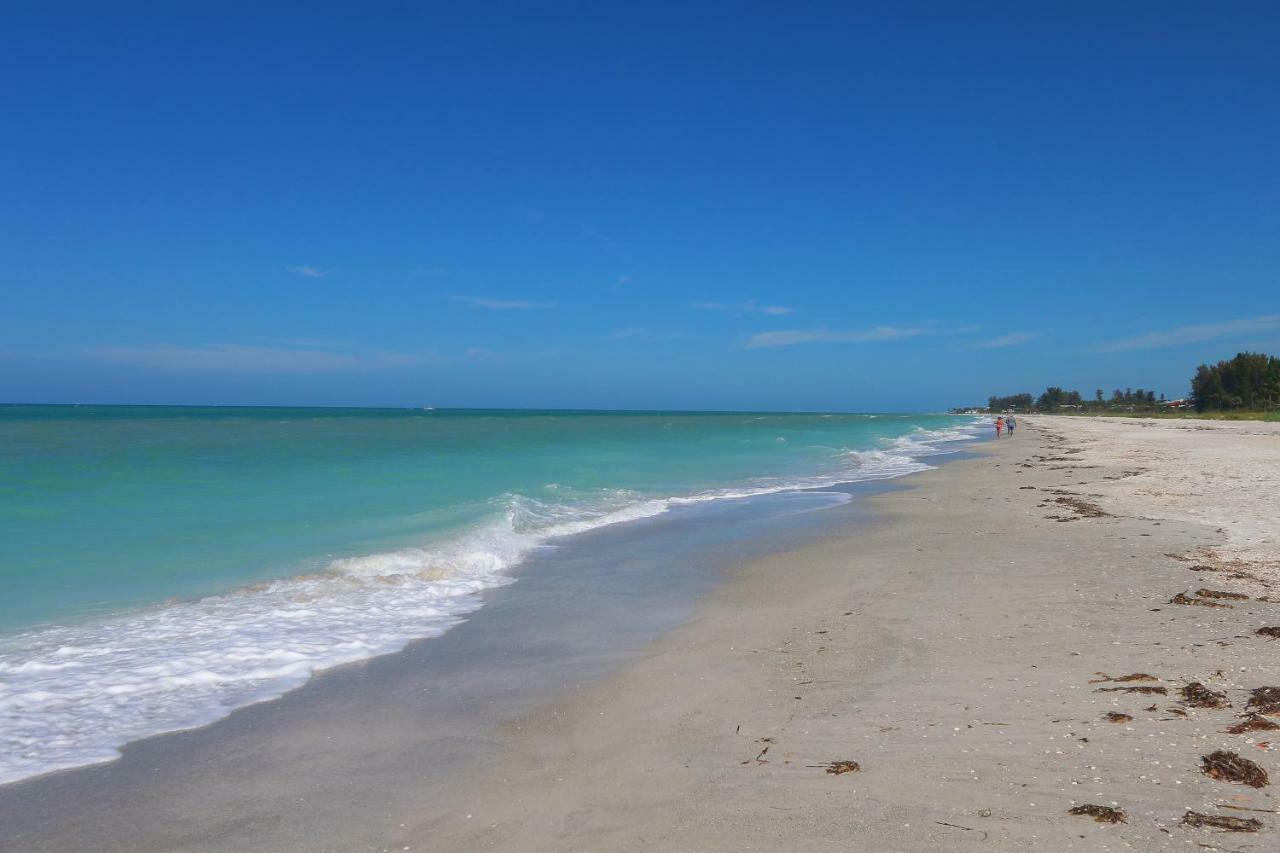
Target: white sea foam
73,695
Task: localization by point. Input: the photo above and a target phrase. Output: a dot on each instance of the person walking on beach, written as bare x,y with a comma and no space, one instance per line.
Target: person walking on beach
999,425
1009,424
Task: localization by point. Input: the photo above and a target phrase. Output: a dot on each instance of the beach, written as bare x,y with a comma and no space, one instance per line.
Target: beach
961,634
959,650
623,427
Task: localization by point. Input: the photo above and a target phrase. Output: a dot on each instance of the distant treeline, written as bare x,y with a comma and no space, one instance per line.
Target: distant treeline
1250,381
1055,398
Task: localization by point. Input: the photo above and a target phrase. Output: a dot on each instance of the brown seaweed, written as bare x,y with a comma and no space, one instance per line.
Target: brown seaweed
1183,598
1133,676
1253,723
1265,700
1101,814
1160,691
835,768
1226,824
1117,717
1269,631
1196,695
1082,508
1217,593
1230,767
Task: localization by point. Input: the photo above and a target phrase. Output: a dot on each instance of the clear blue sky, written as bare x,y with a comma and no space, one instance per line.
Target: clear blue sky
697,205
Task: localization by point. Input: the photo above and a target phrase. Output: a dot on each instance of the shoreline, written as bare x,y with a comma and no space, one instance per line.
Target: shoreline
186,662
953,648
947,644
441,700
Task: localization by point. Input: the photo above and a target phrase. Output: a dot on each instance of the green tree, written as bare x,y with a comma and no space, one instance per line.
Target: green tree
1251,380
1051,400
1018,402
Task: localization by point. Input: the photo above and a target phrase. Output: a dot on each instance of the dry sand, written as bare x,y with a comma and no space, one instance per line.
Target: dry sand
1225,474
958,653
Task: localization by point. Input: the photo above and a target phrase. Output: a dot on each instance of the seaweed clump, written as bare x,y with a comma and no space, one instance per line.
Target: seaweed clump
1226,824
1158,691
1273,633
1196,695
1217,593
1183,598
1082,509
1230,767
1265,700
1253,723
1133,676
1117,717
1102,814
835,768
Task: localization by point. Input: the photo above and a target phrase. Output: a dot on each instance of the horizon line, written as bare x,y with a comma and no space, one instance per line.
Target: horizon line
467,408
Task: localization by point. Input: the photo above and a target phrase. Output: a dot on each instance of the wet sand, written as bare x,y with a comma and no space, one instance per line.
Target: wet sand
956,647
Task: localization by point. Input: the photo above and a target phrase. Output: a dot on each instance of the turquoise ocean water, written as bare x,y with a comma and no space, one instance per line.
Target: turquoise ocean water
161,566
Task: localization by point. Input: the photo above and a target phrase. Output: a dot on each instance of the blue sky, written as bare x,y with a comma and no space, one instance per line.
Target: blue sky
698,205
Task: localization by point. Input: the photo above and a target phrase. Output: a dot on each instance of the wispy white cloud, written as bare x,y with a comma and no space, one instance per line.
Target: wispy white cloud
792,337
482,354
254,358
751,306
309,271
1012,339
623,281
1194,334
502,304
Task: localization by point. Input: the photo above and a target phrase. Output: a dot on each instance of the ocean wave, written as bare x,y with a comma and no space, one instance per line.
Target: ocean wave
73,695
